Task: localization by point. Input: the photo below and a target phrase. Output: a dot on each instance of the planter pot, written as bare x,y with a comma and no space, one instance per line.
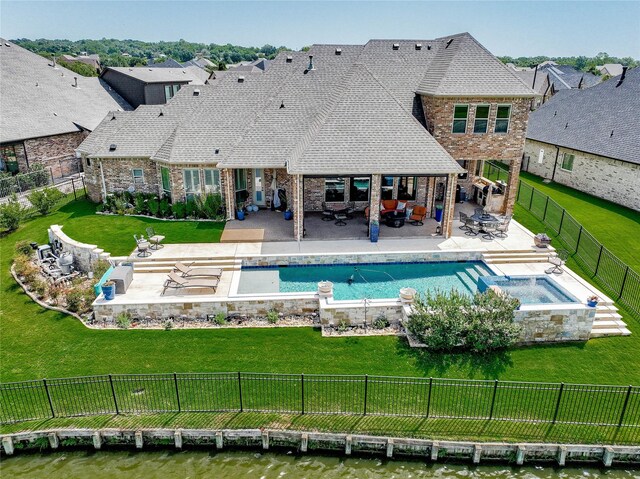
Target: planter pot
407,295
541,242
240,215
592,304
288,215
374,232
325,288
109,292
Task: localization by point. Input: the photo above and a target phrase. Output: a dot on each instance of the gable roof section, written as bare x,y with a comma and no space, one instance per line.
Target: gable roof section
565,77
463,67
159,75
39,100
585,119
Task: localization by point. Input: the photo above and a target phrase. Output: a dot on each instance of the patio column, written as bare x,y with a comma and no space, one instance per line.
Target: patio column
511,189
229,193
374,202
298,207
449,205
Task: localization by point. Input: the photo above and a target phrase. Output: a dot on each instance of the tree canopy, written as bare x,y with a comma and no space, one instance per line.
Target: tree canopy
587,64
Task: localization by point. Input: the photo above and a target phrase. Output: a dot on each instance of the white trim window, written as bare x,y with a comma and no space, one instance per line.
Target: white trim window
170,91
481,121
138,176
503,117
460,116
211,181
191,178
567,162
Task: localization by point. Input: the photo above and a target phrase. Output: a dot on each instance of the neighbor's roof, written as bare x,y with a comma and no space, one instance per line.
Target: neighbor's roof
38,100
160,75
612,69
602,120
356,111
530,76
566,77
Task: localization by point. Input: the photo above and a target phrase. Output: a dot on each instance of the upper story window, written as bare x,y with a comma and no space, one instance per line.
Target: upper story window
170,91
460,115
567,162
482,119
334,189
503,115
138,176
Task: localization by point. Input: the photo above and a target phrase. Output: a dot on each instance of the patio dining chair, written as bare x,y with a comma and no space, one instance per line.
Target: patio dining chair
327,213
155,238
463,220
478,211
502,228
490,230
473,227
143,246
557,259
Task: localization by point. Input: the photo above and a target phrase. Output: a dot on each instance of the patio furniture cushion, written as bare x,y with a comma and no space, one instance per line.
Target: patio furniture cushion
418,215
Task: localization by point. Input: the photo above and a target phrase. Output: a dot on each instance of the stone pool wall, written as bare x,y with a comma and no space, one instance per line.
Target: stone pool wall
562,323
353,313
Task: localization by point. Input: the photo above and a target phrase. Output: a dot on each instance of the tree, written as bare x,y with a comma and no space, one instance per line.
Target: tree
80,68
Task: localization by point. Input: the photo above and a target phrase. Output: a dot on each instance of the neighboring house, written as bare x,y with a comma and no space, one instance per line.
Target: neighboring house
202,63
566,77
259,65
151,86
91,60
590,140
539,82
46,110
610,69
340,124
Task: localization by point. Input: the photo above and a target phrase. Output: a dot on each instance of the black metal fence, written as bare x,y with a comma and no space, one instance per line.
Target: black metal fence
321,394
612,274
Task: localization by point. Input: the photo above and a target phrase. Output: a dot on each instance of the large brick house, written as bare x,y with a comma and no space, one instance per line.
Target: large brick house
392,119
46,111
590,140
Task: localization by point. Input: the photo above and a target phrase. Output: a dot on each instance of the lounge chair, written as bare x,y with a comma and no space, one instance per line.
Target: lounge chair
187,271
418,215
154,238
557,259
176,282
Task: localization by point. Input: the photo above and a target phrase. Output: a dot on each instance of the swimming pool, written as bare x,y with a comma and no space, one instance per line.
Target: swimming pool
367,280
529,289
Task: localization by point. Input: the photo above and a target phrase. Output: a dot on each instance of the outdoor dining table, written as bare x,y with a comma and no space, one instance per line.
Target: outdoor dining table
485,219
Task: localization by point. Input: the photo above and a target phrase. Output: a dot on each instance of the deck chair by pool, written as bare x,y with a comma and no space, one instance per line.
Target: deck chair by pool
557,259
176,282
154,238
187,271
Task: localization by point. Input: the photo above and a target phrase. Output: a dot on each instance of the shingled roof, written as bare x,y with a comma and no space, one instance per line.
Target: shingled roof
162,74
356,111
602,120
39,100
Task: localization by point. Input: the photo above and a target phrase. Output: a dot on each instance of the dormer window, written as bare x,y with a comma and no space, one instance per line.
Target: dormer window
460,115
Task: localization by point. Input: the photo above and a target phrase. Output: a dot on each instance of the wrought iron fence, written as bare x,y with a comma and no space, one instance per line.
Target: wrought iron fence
612,274
321,394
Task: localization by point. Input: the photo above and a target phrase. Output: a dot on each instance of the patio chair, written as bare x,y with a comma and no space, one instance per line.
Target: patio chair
463,220
473,227
143,246
350,209
418,215
327,213
502,228
557,259
489,230
367,211
176,282
478,211
155,239
187,271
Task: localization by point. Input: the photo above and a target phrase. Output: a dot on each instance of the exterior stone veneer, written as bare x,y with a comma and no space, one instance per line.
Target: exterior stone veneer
613,180
555,324
84,255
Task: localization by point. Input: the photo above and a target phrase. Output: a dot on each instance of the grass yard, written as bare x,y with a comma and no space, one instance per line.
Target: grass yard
38,343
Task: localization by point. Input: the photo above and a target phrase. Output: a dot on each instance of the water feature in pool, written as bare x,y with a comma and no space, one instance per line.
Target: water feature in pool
529,289
367,280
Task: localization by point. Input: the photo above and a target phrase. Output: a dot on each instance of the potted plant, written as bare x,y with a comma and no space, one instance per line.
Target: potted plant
109,290
541,240
592,301
374,231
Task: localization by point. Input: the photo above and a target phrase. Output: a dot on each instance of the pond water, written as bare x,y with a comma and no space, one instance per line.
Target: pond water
245,464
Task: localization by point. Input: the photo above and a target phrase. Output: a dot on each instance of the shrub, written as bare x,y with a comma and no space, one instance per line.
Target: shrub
210,205
123,320
23,247
24,267
12,213
220,318
40,287
45,199
75,300
445,321
119,205
342,326
272,316
168,325
154,206
100,267
192,209
140,204
179,209
380,322
164,209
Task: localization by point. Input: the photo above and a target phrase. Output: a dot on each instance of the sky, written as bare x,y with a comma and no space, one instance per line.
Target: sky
515,28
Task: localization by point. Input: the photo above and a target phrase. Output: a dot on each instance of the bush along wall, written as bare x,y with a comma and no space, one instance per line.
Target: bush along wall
208,206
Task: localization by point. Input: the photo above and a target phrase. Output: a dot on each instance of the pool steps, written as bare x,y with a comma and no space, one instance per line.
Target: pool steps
145,265
516,257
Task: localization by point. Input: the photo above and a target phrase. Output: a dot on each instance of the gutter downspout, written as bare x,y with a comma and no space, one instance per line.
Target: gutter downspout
555,164
104,185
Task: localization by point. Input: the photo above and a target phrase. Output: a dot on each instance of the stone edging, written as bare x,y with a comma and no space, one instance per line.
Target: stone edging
337,442
206,220
42,303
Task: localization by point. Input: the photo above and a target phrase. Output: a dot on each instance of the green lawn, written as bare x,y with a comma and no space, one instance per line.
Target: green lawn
38,343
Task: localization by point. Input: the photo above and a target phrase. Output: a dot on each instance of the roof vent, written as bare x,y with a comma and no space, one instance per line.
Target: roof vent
241,79
130,69
161,113
150,70
75,82
289,59
338,51
428,47
310,67
55,114
113,117
396,46
281,105
566,125
112,147
449,42
217,150
624,74
611,135
418,46
37,84
196,92
7,44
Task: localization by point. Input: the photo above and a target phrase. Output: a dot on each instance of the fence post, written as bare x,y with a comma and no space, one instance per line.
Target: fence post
366,391
46,388
302,391
84,186
561,221
546,205
598,263
578,240
624,280
518,192
113,393
175,381
240,391
493,399
624,407
18,183
429,399
555,414
533,190
73,185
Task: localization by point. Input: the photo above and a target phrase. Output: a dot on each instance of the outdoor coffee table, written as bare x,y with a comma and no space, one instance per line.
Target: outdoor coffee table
395,219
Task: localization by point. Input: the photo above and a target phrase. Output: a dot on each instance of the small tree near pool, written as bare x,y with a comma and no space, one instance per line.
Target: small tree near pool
480,323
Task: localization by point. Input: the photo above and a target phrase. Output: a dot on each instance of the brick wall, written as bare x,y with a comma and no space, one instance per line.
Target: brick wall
118,176
613,180
56,152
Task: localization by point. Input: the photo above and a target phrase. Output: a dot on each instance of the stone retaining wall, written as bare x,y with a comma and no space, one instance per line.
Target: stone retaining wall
84,255
556,324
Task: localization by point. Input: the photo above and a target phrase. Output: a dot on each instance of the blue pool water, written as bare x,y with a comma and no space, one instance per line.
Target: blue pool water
529,289
373,281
